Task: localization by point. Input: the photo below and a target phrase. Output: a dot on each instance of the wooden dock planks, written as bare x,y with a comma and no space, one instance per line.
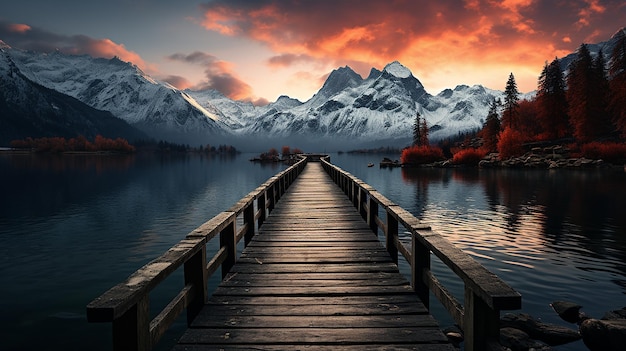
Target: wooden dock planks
315,278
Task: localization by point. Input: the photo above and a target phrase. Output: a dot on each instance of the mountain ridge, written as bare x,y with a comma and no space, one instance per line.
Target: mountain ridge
347,111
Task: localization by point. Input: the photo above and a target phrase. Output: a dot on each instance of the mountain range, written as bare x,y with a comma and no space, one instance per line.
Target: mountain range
54,93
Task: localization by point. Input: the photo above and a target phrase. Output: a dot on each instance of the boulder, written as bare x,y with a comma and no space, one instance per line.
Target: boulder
549,333
518,340
568,311
604,335
617,314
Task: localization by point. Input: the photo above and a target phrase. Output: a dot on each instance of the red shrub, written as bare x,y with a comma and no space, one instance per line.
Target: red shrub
421,155
469,157
609,152
510,143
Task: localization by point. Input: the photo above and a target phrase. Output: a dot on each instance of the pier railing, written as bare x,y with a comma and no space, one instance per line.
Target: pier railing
127,305
485,293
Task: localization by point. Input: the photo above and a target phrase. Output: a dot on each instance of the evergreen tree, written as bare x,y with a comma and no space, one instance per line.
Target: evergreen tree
417,130
617,83
552,101
600,97
424,133
511,103
580,81
491,129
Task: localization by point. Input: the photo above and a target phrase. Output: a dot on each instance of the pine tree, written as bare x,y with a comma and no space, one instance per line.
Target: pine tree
511,103
579,84
417,130
552,101
424,133
491,129
617,83
600,97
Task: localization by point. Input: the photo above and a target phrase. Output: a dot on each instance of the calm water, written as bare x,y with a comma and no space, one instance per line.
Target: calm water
551,235
73,226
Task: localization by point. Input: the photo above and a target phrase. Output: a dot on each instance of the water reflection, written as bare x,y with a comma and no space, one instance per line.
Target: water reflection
73,226
550,234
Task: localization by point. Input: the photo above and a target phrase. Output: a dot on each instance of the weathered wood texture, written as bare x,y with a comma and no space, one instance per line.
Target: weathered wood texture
315,277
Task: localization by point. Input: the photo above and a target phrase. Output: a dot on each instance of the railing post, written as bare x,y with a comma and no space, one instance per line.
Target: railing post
260,204
391,236
372,214
228,240
362,198
248,219
355,194
196,275
272,197
420,262
350,189
481,323
132,330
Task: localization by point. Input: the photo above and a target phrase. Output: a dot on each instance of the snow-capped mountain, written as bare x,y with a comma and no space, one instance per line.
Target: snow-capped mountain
28,109
121,88
348,111
352,111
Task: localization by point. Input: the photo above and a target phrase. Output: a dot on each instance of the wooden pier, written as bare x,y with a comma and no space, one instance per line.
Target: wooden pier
313,275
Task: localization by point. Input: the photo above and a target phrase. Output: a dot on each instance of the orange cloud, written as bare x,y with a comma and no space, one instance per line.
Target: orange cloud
18,28
105,48
593,7
31,38
429,37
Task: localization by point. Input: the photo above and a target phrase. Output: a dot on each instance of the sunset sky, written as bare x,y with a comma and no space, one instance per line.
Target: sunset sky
260,49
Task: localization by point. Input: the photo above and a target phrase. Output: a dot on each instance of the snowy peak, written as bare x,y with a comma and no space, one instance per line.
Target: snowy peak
340,79
4,46
285,102
396,69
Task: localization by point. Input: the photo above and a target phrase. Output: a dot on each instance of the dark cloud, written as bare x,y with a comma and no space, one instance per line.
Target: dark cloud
177,81
25,37
288,59
219,75
196,57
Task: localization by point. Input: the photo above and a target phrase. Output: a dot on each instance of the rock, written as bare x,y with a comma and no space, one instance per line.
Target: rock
604,335
549,333
454,334
518,340
568,311
617,314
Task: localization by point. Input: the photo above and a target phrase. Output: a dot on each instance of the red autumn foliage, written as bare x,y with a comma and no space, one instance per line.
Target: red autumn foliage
421,154
510,143
609,152
469,157
58,144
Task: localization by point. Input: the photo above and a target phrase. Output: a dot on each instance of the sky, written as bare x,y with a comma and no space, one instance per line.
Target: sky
258,50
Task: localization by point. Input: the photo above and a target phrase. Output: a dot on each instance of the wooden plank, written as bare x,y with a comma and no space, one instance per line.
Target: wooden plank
309,347
316,321
313,268
292,301
326,336
302,310
312,291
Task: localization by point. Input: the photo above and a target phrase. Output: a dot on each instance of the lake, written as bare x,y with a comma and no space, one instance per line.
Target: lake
72,226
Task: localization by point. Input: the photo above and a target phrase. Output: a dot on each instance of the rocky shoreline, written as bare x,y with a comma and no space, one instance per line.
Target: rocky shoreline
543,158
551,157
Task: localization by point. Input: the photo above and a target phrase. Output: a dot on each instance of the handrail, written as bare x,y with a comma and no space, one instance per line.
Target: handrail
126,305
485,293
